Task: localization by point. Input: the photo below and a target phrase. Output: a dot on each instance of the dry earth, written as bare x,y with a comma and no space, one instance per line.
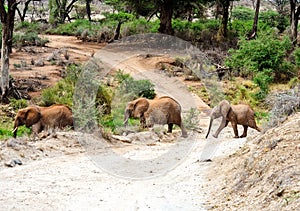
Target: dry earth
76,171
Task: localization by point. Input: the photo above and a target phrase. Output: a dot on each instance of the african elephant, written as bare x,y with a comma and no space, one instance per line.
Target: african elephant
236,114
43,118
163,110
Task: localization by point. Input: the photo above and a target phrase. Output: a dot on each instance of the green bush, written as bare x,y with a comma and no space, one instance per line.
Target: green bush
31,27
73,27
242,13
28,39
274,19
265,52
134,88
296,55
262,59
18,104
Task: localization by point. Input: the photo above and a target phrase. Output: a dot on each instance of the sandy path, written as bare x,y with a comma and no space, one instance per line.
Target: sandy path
76,182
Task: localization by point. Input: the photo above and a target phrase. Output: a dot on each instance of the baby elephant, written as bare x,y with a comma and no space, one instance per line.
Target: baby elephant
43,118
236,114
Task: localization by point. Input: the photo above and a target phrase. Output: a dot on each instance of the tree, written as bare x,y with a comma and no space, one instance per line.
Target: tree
7,16
224,4
252,34
23,13
294,16
88,9
60,10
165,9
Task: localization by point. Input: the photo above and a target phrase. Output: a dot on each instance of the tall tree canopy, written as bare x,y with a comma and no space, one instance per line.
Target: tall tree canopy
165,9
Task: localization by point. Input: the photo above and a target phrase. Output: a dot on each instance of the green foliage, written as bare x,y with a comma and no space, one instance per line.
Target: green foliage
265,52
262,59
28,39
274,19
296,55
18,104
31,27
192,119
134,88
139,26
73,27
263,79
242,13
121,16
62,92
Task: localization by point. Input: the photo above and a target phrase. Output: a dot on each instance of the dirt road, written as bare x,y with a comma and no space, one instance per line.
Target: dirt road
76,179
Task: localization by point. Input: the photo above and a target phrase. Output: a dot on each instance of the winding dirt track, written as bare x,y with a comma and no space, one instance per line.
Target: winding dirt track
77,182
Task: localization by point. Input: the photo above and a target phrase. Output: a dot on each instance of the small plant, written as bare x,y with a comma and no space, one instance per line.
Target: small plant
192,119
18,104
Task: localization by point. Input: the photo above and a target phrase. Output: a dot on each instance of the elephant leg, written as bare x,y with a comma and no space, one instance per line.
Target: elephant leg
143,122
245,131
235,130
223,124
170,127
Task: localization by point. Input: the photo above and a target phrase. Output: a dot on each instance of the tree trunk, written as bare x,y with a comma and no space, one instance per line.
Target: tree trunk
252,34
222,33
4,63
166,13
88,9
294,15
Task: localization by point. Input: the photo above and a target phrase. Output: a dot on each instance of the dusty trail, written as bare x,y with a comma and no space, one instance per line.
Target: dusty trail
77,182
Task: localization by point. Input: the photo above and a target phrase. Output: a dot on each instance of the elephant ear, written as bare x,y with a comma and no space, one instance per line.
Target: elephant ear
32,116
141,105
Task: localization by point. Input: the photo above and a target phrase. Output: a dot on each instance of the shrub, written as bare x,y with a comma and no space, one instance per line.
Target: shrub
134,88
18,104
242,13
262,59
28,39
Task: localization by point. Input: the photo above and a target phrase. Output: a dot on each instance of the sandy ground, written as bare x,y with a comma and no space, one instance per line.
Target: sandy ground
69,176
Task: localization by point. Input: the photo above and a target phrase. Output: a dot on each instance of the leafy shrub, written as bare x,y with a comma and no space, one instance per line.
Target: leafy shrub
274,19
265,52
192,119
28,39
71,28
296,55
31,27
134,88
18,104
242,13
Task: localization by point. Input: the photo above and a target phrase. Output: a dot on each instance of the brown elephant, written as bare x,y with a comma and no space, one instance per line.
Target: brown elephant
163,110
43,118
236,114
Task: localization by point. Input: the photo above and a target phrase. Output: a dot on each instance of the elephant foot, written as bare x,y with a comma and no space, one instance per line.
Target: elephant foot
184,135
236,137
243,136
215,136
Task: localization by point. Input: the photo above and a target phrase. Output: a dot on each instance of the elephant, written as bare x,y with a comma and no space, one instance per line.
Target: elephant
163,110
236,114
43,118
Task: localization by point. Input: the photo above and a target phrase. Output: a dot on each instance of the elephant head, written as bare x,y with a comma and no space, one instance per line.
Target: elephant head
27,116
221,110
136,109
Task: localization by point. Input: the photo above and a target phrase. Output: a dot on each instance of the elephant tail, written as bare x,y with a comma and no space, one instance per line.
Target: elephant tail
210,124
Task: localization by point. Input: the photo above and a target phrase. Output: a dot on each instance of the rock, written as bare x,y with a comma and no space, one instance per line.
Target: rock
10,163
39,63
122,138
13,163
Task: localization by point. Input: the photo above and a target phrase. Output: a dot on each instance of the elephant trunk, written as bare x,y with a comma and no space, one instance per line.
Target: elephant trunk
15,130
126,117
210,124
